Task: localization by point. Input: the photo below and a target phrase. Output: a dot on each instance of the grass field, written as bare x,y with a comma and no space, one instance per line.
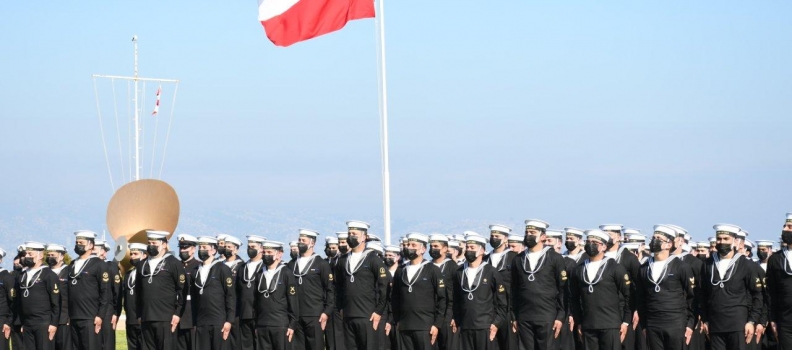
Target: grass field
121,340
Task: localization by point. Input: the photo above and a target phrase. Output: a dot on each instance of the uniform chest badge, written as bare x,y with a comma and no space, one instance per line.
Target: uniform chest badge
228,282
117,279
182,278
55,289
330,277
501,289
13,293
105,277
292,291
563,275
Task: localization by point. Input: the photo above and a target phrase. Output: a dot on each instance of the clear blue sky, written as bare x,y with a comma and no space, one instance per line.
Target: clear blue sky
576,112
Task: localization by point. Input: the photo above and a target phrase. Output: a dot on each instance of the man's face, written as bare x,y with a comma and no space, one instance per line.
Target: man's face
600,246
360,234
36,255
209,248
766,250
497,235
570,238
552,241
231,247
257,247
157,243
703,251
392,255
100,252
473,247
342,243
615,237
788,226
441,247
420,249
516,247
294,249
724,239
136,254
274,252
57,255
189,249
307,241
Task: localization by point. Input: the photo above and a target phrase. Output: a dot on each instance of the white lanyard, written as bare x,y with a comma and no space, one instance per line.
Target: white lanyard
786,261
663,273
359,264
307,268
198,278
477,282
30,280
730,268
443,265
275,278
539,264
244,273
415,278
157,269
73,277
131,282
597,277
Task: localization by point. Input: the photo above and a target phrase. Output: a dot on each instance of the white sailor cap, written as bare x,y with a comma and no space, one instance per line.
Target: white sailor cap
138,246
636,238
376,246
665,230
554,233
571,231
154,234
207,240
599,235
393,249
498,228
221,237
631,231
331,240
764,243
342,235
702,245
2,253
685,248
233,240
255,239
438,238
272,244
460,238
712,240
789,217
100,243
187,239
728,229
749,243
357,225
687,238
417,237
52,247
84,234
293,244
475,239
304,232
612,228
680,232
632,246
30,245
514,237
536,224
454,243
370,237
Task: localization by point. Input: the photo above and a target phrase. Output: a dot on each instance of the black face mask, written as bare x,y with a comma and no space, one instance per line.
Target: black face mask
51,261
655,245
353,242
470,256
79,249
530,241
228,253
761,255
570,245
203,254
28,261
343,249
184,256
252,253
702,257
449,255
293,254
268,259
435,253
330,253
302,248
389,262
786,237
17,268
221,250
134,262
152,250
723,248
591,249
495,242
412,254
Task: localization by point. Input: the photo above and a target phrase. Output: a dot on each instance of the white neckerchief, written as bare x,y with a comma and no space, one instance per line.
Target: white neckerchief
58,270
473,277
300,269
575,257
352,270
355,258
658,271
29,278
725,274
764,266
495,258
249,274
79,265
203,275
594,275
441,265
268,276
537,261
415,271
301,261
231,264
787,261
131,281
157,267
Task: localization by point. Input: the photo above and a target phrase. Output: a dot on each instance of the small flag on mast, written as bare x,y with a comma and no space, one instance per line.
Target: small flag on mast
156,106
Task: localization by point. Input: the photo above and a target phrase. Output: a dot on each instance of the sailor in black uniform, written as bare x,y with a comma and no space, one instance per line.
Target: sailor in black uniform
516,243
779,286
162,293
619,252
89,293
361,282
731,302
438,249
553,240
334,332
501,259
185,335
213,298
246,293
234,262
316,289
39,299
137,253
418,298
221,238
697,341
632,235
277,302
763,252
573,257
7,294
703,250
377,249
480,299
294,252
16,328
456,248
331,249
114,310
600,293
392,257
665,295
55,254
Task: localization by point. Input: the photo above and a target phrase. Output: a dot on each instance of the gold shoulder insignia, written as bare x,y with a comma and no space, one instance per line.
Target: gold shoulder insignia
330,277
228,282
292,291
182,278
117,279
626,277
758,280
441,284
13,293
105,277
563,275
501,289
692,281
382,272
55,289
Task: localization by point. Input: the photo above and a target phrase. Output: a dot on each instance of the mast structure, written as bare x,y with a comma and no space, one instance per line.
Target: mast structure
384,129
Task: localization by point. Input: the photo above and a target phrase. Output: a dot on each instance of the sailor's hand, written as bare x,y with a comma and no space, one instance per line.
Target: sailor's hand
705,328
433,333
387,328
453,327
688,335
226,330
774,329
557,328
760,331
51,330
289,334
97,324
114,321
375,318
571,324
623,332
493,332
6,331
580,332
515,325
174,323
749,332
635,320
323,320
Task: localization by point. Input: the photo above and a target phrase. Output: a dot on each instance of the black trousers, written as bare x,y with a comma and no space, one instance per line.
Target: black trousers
697,339
309,334
359,334
234,337
475,339
415,340
640,340
273,338
601,339
629,339
63,340
134,337
83,335
769,340
108,333
210,338
445,338
727,341
665,338
334,332
185,338
536,335
247,335
157,335
393,339
17,343
506,338
37,337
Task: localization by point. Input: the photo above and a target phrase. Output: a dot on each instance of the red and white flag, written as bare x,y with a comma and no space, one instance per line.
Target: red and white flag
290,21
156,106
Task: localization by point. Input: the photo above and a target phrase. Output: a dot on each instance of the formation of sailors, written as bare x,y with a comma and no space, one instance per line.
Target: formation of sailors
610,290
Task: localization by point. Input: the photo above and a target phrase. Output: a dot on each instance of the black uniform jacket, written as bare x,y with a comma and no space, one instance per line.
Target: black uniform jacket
89,290
728,309
214,300
419,303
605,305
668,301
447,270
246,290
129,297
161,291
544,298
315,287
187,320
63,280
481,302
362,289
115,290
7,294
277,304
779,288
41,306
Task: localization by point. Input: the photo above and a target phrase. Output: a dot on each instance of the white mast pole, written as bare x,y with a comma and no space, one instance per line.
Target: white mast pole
137,115
384,126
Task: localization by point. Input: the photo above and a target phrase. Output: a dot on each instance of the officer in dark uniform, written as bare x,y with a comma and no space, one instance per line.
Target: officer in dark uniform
392,258
137,253
538,289
362,290
316,289
418,298
501,259
161,287
39,299
731,302
277,303
7,294
109,320
779,286
619,252
438,251
214,298
572,258
697,266
335,327
55,254
234,262
185,335
480,299
89,293
600,293
16,329
764,251
246,293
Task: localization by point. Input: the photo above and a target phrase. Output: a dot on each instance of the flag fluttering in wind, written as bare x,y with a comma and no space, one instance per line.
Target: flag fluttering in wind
156,106
290,21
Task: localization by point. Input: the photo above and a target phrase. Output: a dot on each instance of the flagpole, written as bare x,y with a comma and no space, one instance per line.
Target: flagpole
137,116
384,127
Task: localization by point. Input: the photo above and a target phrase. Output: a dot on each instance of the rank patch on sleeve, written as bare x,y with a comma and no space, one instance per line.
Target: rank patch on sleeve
182,278
105,277
330,277
117,279
501,289
292,291
228,282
